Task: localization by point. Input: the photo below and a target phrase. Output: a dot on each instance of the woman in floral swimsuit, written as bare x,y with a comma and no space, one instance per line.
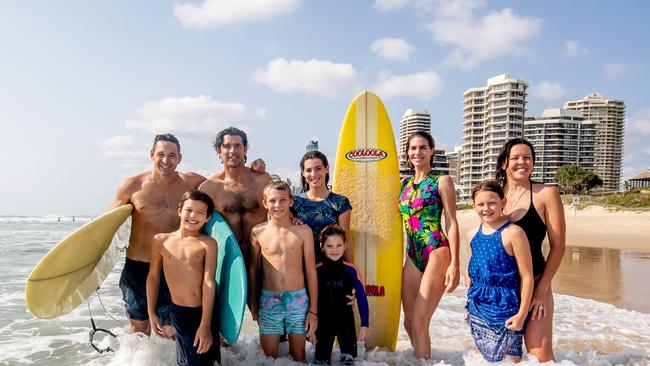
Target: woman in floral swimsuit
433,264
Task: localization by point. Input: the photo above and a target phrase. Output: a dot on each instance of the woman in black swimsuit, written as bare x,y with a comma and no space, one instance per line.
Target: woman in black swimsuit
538,210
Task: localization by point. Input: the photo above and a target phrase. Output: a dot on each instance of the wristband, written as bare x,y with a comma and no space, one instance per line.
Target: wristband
312,312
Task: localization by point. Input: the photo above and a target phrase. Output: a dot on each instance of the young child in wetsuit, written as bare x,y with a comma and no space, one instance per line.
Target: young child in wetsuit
337,279
500,278
189,260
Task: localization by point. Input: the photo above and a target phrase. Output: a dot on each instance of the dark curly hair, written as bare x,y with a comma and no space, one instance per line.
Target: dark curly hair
232,131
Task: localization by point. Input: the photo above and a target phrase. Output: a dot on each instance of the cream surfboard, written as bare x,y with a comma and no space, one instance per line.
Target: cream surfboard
72,270
367,172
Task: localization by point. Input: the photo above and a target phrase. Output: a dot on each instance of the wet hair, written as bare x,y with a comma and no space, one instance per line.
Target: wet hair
279,185
504,154
196,195
308,156
168,137
425,135
331,230
232,131
489,185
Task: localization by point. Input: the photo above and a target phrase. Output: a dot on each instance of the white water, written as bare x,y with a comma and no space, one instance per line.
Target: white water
586,332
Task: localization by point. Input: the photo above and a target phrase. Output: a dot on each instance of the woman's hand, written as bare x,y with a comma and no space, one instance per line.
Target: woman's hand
538,303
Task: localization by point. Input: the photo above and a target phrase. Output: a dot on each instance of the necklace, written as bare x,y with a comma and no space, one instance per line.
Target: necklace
518,199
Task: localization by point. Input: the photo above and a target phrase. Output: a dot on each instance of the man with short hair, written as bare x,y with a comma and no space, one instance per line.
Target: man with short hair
155,195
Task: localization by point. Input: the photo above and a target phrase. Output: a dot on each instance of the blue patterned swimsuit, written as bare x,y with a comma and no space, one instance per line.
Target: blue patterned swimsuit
318,214
493,296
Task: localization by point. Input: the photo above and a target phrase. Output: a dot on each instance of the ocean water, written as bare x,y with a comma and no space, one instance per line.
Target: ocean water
586,332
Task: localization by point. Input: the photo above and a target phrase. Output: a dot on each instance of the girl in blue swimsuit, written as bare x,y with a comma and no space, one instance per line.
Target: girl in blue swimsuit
500,278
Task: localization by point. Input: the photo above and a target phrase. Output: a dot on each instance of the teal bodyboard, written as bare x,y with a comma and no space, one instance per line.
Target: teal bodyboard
230,278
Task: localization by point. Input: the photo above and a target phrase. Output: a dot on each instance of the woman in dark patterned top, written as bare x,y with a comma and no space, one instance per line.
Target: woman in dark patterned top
320,207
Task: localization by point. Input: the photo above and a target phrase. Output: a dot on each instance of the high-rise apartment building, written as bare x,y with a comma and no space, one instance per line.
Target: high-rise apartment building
312,145
609,116
492,115
560,137
413,120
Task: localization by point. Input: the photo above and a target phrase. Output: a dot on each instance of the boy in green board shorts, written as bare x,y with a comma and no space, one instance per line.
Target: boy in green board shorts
285,307
189,260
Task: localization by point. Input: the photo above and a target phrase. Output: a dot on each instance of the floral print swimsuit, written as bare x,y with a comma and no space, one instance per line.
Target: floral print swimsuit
421,208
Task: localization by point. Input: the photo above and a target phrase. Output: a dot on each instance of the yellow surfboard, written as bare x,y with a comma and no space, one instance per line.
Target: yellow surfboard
367,172
72,270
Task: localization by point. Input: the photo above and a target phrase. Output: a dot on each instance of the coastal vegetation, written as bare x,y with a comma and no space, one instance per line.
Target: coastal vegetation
573,179
636,200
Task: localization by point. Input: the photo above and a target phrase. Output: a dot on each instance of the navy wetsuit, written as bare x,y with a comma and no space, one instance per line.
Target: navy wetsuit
336,279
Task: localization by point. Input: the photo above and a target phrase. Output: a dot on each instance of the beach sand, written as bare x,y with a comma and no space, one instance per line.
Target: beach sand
594,226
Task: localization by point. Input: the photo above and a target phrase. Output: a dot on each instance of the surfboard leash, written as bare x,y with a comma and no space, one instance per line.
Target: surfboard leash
91,334
106,310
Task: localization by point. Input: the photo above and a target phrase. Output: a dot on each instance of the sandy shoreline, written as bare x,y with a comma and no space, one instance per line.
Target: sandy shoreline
594,226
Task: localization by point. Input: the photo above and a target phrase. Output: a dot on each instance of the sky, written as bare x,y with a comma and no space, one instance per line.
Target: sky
85,85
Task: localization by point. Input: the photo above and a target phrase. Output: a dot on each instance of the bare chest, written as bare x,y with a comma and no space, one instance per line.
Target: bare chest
287,245
183,253
239,199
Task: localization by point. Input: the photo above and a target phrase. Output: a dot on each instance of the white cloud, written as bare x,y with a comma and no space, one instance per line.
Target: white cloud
616,70
215,13
421,85
547,90
189,116
311,77
573,48
395,49
639,122
125,148
387,5
475,39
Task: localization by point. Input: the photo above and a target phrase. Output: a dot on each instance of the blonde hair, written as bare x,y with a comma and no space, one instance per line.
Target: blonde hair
277,184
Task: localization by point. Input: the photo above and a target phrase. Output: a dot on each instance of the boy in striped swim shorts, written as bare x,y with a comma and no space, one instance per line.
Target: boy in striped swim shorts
281,249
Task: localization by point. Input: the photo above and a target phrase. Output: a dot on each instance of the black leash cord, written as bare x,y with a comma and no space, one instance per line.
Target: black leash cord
91,334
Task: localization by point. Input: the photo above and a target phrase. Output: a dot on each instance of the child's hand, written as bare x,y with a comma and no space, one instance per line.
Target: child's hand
156,326
203,339
363,333
311,323
516,322
296,221
352,297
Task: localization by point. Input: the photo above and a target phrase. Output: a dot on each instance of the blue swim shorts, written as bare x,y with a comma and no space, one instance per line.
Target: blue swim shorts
133,283
495,343
283,312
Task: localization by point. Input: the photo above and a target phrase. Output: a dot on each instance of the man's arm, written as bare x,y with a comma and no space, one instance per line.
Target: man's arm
193,179
153,283
253,268
204,337
311,323
124,192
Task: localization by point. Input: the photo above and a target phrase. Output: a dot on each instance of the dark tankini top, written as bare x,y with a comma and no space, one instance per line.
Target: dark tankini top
535,228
